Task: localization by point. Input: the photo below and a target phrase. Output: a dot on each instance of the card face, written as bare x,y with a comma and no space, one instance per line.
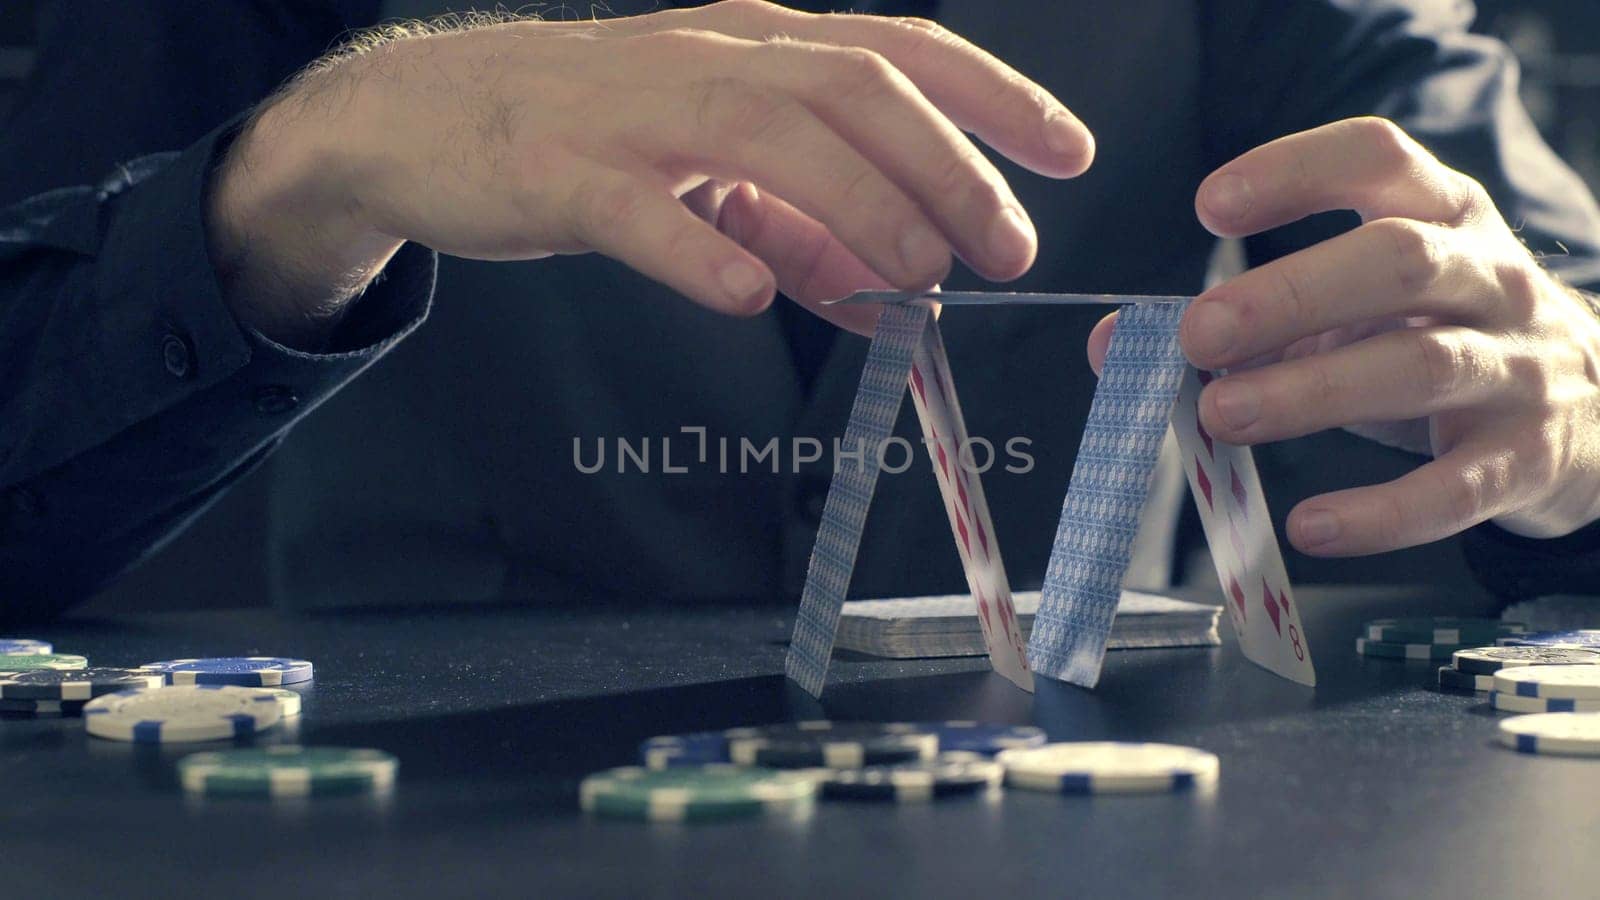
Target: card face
955,465
844,514
1244,545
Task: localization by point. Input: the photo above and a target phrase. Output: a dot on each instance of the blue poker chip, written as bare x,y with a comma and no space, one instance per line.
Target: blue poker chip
24,647
988,738
240,671
696,749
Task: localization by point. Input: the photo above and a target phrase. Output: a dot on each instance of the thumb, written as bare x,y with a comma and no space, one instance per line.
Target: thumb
1100,341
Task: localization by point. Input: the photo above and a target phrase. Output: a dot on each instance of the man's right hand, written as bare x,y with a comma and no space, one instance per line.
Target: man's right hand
726,151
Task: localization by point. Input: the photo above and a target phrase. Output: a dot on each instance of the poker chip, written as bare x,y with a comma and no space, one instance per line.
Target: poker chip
835,745
288,771
72,684
1564,733
947,775
1452,680
1489,660
1575,638
1513,703
1441,630
181,714
41,709
241,671
289,702
694,793
1565,682
1099,767
23,662
982,737
694,749
23,647
1387,650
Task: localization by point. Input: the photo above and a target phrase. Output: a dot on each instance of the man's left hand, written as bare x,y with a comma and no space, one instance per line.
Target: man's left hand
1430,327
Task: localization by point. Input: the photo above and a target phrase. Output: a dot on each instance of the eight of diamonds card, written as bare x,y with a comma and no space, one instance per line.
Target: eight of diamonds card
1244,546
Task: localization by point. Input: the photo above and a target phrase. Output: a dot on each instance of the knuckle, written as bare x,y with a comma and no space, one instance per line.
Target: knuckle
1438,363
855,73
1463,493
1391,520
1520,288
744,8
921,39
1322,388
1416,253
683,39
1385,140
1291,295
1467,197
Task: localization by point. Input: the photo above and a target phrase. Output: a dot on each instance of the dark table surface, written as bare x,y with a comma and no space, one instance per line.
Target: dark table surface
1372,785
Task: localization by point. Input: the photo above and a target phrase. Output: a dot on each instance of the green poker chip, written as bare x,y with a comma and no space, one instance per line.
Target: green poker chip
28,662
694,793
1391,650
288,771
1441,630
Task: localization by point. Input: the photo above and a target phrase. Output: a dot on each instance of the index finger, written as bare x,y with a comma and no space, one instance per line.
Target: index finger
1368,165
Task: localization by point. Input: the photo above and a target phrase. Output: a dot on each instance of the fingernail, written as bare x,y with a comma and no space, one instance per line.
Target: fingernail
1318,528
1011,236
1062,135
922,251
1228,197
1210,332
1239,405
742,282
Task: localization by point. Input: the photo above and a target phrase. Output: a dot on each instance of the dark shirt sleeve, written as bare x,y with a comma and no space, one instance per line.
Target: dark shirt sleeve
130,396
1275,67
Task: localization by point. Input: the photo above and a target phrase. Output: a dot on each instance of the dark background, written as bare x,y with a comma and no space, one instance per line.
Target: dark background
1558,42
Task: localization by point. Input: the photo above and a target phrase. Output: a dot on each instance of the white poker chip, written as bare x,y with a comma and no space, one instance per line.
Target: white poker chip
1562,682
1489,660
1513,703
1568,733
181,714
1097,767
289,702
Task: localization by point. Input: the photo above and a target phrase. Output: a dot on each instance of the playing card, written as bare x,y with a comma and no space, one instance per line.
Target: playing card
944,432
1244,545
1002,298
1106,496
844,514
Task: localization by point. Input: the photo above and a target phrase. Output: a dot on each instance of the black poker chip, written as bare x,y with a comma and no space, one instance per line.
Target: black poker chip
73,684
948,775
834,745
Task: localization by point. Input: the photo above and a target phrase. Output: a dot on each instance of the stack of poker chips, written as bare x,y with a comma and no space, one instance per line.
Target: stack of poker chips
781,769
1435,639
184,701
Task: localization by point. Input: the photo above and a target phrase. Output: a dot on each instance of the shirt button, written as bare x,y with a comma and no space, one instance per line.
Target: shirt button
275,398
176,356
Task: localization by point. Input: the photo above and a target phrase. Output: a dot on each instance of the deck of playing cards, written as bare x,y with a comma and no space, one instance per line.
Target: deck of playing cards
922,627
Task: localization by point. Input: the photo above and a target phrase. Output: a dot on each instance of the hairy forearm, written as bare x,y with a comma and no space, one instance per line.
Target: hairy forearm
284,232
